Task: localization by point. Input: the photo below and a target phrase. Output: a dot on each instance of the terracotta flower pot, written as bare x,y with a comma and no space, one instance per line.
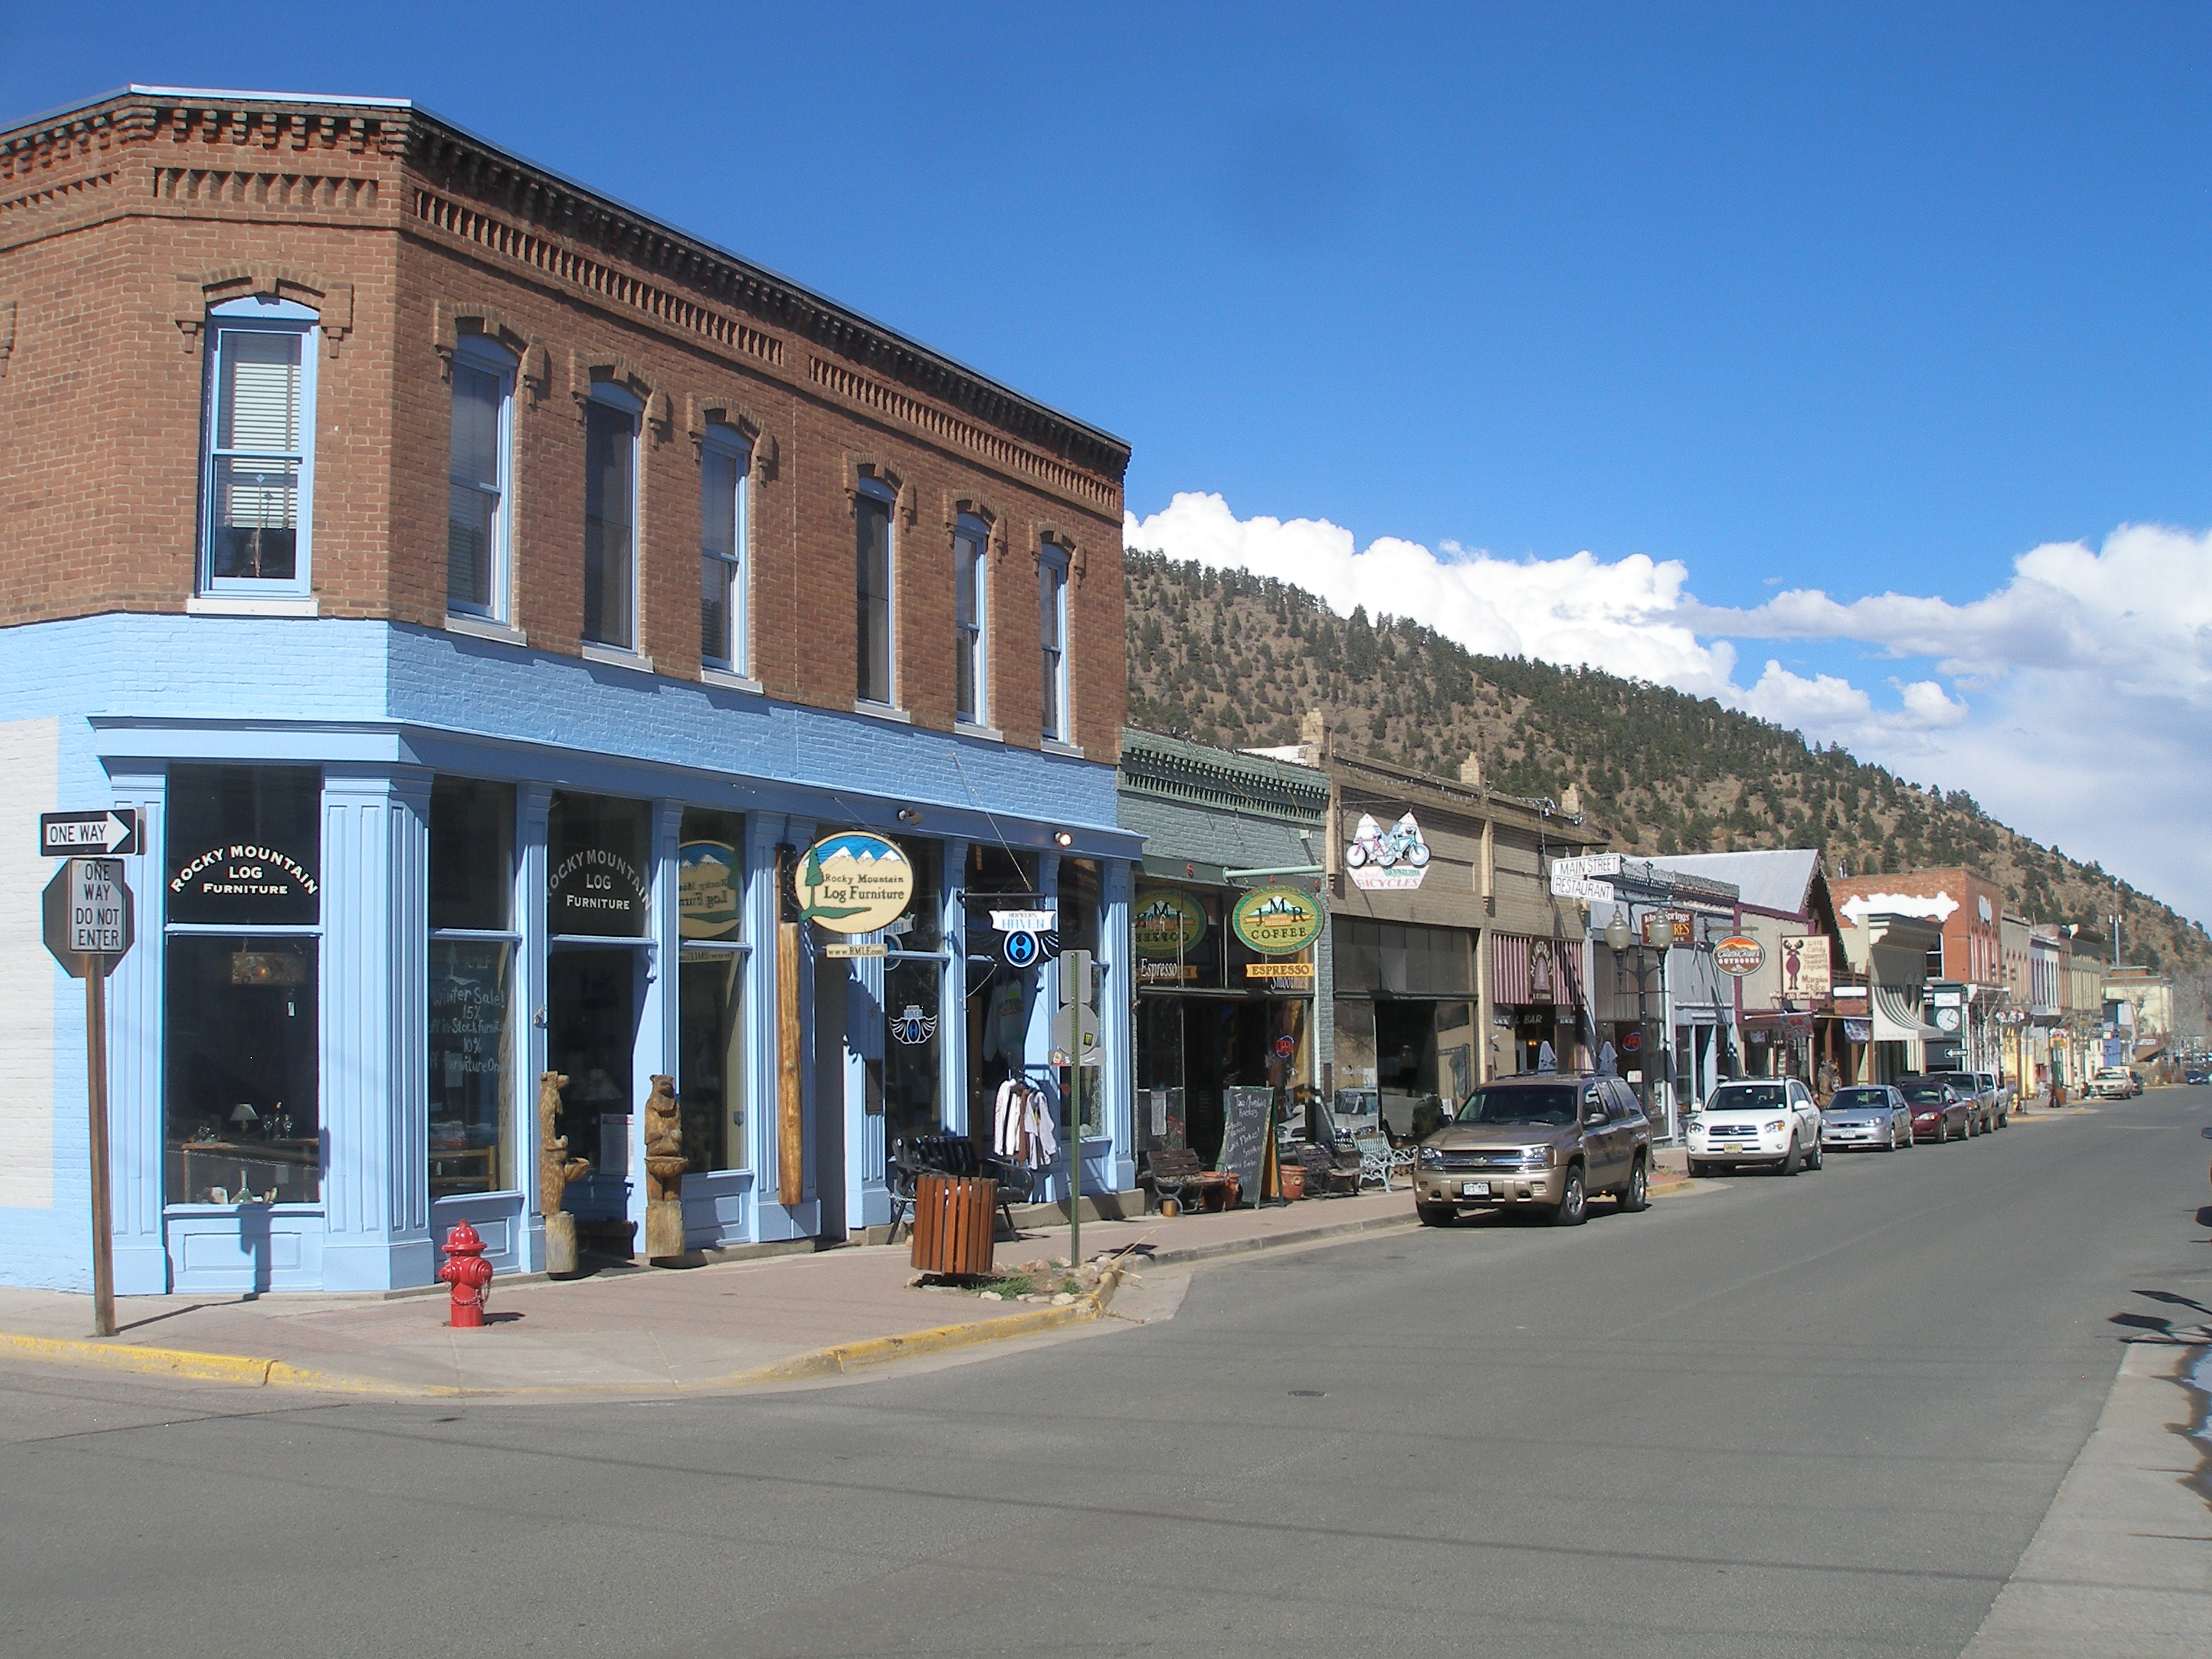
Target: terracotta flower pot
1294,1181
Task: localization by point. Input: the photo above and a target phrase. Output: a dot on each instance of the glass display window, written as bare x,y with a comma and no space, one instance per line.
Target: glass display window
597,862
242,1107
712,970
1177,932
241,978
914,1053
473,1095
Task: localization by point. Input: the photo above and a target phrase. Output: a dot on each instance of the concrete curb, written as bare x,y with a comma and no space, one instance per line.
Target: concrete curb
1173,1258
249,1370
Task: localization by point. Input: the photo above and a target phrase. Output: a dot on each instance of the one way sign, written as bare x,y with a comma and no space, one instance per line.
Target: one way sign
110,832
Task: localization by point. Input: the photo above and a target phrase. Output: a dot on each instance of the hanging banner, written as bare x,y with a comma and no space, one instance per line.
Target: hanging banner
1277,921
854,883
1807,974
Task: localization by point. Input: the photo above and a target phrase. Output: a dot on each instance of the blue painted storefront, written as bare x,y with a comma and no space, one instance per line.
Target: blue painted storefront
382,710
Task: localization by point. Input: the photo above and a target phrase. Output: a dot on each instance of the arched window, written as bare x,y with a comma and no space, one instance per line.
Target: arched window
477,533
971,541
258,485
726,460
1052,618
611,420
875,560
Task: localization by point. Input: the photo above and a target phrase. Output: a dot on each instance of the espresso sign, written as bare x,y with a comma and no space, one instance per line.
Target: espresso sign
595,889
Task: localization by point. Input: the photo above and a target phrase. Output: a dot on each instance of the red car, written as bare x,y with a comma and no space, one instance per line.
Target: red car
1939,1111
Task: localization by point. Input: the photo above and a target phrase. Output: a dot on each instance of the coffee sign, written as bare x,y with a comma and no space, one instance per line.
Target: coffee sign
1168,924
1276,922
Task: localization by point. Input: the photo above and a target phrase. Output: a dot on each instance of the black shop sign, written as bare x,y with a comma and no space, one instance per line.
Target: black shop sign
595,889
243,846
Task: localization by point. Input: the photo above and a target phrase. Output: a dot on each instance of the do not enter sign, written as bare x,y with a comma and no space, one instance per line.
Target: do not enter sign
89,914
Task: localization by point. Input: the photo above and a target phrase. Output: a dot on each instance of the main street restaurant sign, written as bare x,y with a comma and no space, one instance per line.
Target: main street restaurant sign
1276,922
854,883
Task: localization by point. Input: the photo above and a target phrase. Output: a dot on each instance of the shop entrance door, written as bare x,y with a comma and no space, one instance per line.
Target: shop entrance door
590,1035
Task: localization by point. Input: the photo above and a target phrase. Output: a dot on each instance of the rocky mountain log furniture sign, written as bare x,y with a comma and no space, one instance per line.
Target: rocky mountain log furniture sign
595,889
246,882
854,883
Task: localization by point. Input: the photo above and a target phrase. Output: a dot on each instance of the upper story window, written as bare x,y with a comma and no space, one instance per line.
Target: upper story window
875,556
476,495
725,462
1052,619
258,479
611,420
971,541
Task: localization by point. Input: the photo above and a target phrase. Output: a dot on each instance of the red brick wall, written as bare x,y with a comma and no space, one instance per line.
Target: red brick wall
100,397
1973,949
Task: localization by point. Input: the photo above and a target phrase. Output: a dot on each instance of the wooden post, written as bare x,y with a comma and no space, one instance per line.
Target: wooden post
790,1096
96,1055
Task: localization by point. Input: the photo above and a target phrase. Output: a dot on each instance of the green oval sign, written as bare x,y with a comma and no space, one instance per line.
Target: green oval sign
1168,924
1276,920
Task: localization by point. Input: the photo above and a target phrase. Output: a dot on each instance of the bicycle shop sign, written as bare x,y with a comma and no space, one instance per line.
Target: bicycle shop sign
1391,860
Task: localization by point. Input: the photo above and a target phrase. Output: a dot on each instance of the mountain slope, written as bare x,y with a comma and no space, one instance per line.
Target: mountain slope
1235,659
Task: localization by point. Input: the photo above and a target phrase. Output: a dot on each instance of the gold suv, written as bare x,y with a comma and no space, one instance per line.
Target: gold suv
1542,1143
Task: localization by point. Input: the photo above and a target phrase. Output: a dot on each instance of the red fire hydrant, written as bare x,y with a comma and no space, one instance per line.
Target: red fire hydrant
468,1273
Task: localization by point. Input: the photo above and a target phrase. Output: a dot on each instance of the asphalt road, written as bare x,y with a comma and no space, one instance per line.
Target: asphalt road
1818,1416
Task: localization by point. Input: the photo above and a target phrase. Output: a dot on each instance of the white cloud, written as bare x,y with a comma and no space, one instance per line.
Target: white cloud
2090,670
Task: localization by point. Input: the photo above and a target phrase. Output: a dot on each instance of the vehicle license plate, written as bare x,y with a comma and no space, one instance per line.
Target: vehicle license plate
1475,1189
1731,1146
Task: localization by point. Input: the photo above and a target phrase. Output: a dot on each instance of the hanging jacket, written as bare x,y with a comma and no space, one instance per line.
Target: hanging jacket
1043,1143
1006,1125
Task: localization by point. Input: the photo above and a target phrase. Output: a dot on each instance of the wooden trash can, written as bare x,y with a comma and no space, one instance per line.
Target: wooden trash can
955,1222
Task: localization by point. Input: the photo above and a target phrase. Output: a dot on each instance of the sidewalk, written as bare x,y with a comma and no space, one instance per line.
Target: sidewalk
641,1329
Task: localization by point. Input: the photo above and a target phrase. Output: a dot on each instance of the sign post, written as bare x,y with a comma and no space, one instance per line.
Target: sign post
1075,1035
90,924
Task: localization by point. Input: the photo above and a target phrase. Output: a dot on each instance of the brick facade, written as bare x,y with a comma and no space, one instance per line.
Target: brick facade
1973,908
121,223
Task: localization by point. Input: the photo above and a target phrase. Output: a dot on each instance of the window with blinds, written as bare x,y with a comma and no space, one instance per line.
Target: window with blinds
609,525
725,460
475,512
1051,620
871,532
261,376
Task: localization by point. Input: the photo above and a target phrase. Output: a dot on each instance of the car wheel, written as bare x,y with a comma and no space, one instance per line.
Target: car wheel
1573,1207
1637,1194
1890,1146
1699,1169
1816,1160
1790,1164
1436,1215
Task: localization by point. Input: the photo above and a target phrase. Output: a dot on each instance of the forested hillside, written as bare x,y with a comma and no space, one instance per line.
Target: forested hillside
1235,659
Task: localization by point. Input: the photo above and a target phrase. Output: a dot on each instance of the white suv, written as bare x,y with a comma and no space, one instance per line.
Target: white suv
1770,1121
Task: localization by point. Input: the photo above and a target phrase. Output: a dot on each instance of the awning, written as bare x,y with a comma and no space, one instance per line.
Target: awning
1897,1016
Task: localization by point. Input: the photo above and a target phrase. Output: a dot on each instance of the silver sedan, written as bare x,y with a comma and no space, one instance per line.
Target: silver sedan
1866,1117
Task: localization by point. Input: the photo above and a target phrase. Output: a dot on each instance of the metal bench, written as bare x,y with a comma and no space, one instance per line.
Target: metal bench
917,1156
1175,1172
1379,1160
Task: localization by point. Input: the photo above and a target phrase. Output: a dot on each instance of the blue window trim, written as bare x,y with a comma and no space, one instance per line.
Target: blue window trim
260,314
727,440
475,351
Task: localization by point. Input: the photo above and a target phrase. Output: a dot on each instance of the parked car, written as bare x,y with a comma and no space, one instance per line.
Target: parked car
1543,1144
2004,1092
1978,1090
1939,1111
2115,1082
1872,1115
1771,1123
2196,1075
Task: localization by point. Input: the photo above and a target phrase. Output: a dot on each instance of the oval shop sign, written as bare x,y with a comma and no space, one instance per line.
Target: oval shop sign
854,883
1276,922
1739,956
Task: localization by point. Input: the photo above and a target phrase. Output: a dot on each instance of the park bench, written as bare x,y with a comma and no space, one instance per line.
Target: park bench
1379,1160
1175,1172
958,1156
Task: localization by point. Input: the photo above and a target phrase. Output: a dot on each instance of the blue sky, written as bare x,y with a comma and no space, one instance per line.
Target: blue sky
1857,299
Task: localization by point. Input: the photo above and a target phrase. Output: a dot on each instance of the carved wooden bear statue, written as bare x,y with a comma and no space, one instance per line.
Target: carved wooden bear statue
664,1141
555,1169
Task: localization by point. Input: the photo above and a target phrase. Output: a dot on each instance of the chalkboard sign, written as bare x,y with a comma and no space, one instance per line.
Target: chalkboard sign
1244,1136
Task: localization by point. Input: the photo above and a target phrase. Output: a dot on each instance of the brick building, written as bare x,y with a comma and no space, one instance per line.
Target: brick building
1964,972
479,588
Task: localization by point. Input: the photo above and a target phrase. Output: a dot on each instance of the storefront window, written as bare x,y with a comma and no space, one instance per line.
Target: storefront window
596,861
922,927
999,998
913,1064
241,960
1178,933
472,954
711,991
